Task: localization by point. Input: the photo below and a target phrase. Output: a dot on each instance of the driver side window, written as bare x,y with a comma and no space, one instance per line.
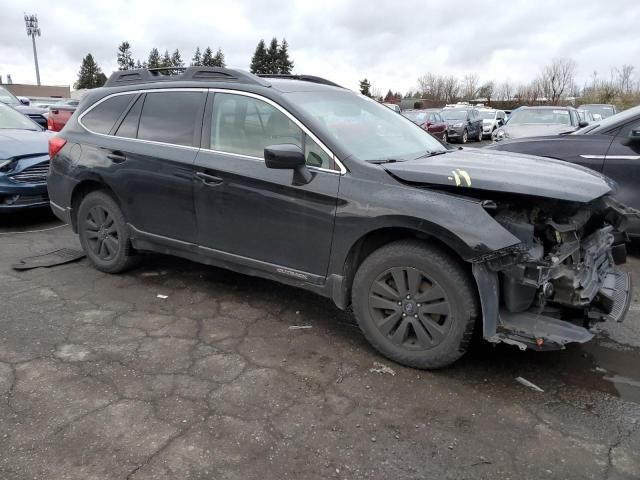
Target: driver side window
245,126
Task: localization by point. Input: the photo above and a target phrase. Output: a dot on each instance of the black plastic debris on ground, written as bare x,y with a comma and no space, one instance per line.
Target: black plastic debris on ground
51,259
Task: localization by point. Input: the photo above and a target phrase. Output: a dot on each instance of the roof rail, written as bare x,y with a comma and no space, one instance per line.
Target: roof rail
164,74
304,78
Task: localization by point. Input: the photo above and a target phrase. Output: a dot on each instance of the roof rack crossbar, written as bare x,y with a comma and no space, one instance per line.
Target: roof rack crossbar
147,75
304,78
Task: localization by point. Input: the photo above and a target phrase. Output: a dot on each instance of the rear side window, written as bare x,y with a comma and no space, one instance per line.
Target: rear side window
171,117
103,116
129,126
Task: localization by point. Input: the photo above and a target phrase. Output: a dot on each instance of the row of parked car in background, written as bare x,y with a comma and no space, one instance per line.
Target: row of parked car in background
463,122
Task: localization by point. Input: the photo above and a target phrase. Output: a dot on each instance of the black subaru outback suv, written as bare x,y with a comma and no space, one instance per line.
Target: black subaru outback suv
304,182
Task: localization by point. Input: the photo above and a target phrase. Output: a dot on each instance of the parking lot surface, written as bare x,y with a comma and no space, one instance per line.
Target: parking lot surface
102,379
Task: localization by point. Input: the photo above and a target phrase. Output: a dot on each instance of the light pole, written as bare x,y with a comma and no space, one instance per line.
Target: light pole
31,22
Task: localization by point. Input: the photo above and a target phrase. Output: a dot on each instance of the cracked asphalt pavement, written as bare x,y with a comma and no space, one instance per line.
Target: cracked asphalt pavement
101,379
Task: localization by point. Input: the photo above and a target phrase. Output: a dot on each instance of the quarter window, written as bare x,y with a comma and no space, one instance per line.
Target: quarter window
129,126
245,126
103,116
171,117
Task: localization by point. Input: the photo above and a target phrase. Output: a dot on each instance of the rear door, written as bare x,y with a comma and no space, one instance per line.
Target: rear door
261,217
158,140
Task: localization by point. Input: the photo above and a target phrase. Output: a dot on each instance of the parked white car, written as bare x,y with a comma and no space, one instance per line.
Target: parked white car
492,119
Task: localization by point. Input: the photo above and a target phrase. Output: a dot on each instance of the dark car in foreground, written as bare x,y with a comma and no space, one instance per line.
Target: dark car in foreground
430,120
539,121
465,123
611,146
24,162
298,180
37,114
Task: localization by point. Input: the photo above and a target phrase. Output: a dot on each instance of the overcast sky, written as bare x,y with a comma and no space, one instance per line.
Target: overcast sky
390,43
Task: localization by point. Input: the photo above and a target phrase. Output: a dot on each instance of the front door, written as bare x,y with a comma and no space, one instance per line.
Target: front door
264,218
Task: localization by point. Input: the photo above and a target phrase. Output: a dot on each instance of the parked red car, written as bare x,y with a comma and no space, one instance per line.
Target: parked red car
60,113
430,120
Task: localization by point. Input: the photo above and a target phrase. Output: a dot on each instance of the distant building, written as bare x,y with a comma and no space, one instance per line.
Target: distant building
24,90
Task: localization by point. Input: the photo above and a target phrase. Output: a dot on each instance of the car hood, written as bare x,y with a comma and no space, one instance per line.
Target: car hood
18,143
536,130
505,172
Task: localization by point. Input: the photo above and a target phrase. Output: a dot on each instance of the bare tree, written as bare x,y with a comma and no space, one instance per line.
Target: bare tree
506,90
451,89
624,78
470,84
486,91
557,78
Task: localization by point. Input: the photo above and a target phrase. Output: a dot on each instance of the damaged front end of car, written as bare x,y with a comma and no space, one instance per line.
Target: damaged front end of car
561,278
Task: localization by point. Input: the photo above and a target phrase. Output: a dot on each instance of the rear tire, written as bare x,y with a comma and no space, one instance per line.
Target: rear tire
480,135
415,304
104,234
445,139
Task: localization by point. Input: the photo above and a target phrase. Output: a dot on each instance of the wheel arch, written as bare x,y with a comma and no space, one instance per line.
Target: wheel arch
82,189
409,228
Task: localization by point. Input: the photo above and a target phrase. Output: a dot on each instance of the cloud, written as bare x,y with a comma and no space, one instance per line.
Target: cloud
345,41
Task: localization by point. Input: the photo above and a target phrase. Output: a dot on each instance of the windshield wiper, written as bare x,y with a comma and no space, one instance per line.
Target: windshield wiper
431,154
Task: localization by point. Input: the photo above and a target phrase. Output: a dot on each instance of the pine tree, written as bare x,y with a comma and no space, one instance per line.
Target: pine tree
365,87
125,58
138,64
207,57
196,61
259,59
165,62
273,61
176,59
154,60
90,75
218,59
284,63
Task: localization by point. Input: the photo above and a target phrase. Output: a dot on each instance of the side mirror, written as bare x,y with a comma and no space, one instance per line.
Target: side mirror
283,157
24,101
582,124
634,135
288,157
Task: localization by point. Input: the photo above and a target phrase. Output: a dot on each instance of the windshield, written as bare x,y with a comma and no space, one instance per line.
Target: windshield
548,116
7,97
365,128
9,118
451,115
418,117
487,114
604,111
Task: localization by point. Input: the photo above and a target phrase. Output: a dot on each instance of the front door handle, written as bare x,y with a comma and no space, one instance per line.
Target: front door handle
210,180
116,156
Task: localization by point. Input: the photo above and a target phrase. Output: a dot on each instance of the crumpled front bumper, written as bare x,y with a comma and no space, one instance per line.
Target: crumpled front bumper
589,291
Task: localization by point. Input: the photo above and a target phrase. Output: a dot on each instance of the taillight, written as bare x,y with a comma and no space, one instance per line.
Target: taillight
55,144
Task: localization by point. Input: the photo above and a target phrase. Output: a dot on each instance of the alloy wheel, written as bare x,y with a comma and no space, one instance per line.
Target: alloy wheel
464,137
409,308
101,233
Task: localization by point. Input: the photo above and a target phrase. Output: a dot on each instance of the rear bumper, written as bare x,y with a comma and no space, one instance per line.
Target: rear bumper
62,213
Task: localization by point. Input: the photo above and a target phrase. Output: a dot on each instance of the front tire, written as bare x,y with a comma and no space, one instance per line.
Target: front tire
465,136
415,304
480,135
103,233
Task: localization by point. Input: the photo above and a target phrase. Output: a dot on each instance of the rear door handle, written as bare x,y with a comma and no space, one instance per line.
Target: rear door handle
116,157
209,179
